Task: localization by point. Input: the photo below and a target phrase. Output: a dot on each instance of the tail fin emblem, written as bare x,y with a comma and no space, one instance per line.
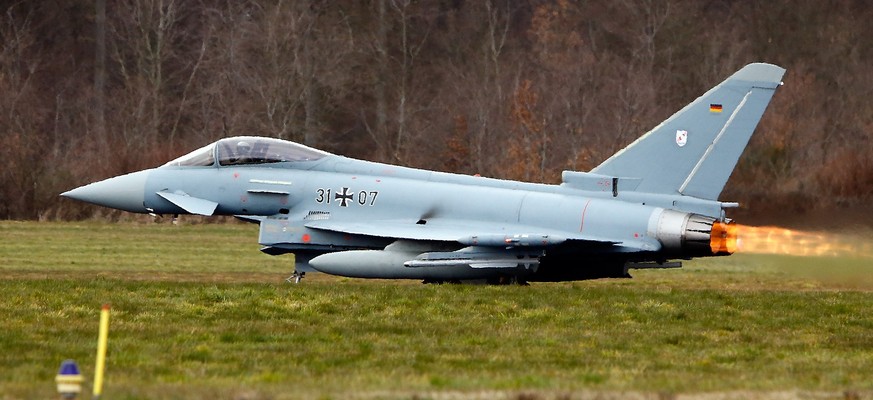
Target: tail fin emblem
681,138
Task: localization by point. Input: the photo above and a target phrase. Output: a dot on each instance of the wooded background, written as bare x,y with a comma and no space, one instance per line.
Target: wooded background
511,89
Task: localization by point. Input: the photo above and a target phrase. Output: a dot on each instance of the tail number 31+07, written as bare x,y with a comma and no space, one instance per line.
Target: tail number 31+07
345,197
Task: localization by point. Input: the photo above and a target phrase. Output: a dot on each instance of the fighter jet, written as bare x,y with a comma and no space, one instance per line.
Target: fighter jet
654,202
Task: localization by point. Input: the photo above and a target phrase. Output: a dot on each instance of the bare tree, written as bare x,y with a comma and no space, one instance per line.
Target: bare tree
20,114
395,86
281,65
100,72
143,44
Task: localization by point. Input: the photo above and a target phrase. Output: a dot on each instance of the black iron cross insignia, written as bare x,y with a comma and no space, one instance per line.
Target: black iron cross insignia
343,198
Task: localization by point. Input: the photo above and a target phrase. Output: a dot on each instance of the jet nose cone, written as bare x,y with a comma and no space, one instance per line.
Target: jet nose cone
125,192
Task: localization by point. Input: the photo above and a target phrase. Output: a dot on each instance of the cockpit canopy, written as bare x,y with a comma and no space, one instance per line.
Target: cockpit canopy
247,150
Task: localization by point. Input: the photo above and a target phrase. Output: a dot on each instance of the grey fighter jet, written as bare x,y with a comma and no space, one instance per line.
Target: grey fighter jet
650,203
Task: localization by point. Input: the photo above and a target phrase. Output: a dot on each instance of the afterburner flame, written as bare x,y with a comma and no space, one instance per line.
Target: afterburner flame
723,240
775,240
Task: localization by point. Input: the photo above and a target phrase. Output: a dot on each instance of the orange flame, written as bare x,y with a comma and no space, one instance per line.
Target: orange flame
723,240
775,240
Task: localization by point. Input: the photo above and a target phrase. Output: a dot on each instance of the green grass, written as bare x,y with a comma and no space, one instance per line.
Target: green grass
198,312
140,248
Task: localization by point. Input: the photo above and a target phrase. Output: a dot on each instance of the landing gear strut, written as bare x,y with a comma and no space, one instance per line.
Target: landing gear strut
296,277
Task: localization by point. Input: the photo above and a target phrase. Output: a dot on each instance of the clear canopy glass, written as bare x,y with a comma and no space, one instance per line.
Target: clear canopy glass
202,157
247,150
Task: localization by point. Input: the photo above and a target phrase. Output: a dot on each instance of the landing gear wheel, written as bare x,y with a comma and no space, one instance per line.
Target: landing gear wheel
508,280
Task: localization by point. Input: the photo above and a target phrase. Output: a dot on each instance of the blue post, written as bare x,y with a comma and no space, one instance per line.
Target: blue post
69,380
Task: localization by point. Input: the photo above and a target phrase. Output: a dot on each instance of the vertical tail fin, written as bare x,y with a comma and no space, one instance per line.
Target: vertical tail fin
695,150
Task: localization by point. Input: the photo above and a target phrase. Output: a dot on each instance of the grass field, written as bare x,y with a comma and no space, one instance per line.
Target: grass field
198,312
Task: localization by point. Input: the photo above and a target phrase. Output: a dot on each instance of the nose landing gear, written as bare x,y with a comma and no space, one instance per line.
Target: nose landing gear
296,277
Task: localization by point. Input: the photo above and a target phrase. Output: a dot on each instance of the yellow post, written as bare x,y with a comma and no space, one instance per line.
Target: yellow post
101,351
